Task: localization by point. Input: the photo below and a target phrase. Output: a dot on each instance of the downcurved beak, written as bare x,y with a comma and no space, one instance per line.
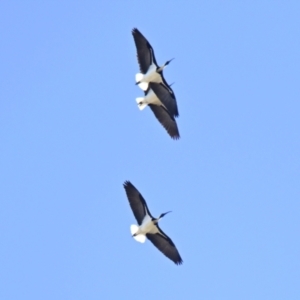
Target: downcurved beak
162,215
162,67
169,61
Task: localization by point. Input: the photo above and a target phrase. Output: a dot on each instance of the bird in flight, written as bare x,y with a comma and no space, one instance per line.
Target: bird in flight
148,225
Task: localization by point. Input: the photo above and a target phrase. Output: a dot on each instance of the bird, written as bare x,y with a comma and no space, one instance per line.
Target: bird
150,70
162,102
148,225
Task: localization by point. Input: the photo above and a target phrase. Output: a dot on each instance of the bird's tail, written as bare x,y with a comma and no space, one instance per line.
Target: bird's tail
140,237
141,102
143,85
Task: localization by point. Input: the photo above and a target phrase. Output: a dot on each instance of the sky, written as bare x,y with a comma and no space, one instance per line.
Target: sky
71,134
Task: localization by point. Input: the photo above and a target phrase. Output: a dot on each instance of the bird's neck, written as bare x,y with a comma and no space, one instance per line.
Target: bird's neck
155,221
160,69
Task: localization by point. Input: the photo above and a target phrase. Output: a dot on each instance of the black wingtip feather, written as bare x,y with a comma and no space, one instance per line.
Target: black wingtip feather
135,30
166,120
127,183
179,262
175,137
128,186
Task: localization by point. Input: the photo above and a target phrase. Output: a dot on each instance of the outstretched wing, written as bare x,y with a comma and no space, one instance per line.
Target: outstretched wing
166,95
166,120
145,53
137,202
164,244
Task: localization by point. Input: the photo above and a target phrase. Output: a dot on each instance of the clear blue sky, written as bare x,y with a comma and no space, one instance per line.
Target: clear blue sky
71,134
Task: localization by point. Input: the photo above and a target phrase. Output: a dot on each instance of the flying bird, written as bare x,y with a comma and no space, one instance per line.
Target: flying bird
150,70
162,102
148,225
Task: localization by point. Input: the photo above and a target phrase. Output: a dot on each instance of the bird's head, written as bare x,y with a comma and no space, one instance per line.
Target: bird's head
163,66
162,215
168,62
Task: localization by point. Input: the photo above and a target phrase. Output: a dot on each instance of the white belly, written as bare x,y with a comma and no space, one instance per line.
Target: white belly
147,226
151,98
152,75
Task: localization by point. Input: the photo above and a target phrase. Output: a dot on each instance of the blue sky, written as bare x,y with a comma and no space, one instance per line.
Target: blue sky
71,134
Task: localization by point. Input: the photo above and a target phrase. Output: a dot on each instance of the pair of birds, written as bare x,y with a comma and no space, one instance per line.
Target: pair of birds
159,96
161,99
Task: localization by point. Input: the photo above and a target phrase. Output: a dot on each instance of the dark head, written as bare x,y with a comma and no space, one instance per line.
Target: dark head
162,67
168,62
162,215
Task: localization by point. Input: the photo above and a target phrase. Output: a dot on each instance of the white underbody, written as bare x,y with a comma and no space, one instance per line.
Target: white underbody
150,76
147,226
150,98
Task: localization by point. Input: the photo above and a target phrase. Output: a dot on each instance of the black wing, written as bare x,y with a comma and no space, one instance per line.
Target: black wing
166,95
166,120
137,202
164,244
145,52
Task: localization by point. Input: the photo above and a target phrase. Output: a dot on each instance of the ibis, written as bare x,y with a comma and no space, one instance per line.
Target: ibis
148,225
150,70
161,100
